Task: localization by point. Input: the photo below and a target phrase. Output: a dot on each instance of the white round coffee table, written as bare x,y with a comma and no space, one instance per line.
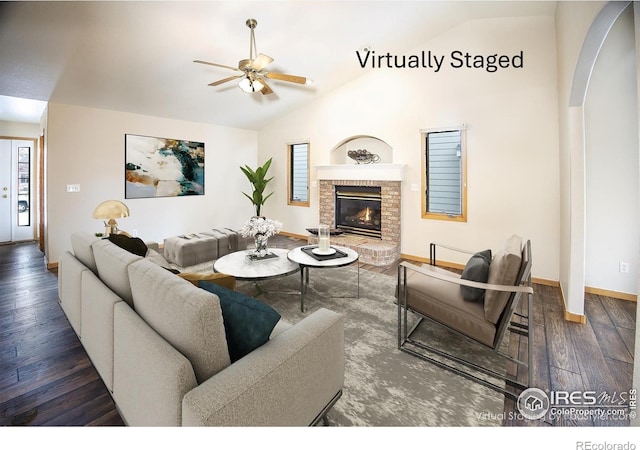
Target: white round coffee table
306,261
238,265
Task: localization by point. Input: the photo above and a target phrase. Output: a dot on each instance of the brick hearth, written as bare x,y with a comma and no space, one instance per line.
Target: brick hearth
378,252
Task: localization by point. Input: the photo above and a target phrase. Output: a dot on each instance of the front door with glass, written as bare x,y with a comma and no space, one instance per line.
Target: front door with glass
16,190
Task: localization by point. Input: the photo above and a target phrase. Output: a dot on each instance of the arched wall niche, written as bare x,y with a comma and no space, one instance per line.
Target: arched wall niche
372,144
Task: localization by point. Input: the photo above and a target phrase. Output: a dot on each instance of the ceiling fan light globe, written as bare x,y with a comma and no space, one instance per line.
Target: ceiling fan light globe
250,86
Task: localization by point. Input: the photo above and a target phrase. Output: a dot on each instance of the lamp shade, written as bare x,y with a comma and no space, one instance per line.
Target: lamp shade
111,209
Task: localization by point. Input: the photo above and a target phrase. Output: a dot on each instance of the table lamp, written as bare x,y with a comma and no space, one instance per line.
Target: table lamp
111,210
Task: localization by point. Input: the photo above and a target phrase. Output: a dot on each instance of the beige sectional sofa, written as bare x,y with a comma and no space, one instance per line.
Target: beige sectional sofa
158,342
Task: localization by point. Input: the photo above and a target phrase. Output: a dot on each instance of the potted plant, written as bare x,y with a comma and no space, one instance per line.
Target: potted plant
259,182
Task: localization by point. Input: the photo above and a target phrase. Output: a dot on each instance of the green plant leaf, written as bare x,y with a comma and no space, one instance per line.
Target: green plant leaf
265,198
249,173
259,182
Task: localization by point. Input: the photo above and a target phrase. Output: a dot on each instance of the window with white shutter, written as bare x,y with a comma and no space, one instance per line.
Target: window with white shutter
444,174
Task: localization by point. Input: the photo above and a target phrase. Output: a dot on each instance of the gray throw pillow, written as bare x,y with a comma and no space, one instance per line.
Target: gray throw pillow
477,269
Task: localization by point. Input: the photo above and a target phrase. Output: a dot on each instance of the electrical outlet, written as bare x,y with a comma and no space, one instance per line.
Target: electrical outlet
134,233
624,267
415,187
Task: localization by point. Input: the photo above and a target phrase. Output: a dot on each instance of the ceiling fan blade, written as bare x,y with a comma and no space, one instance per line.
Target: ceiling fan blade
261,62
285,77
224,80
266,90
217,65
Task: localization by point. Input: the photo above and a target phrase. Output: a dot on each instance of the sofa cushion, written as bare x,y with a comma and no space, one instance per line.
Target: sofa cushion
133,245
98,302
190,319
476,269
503,270
81,244
112,262
248,322
156,258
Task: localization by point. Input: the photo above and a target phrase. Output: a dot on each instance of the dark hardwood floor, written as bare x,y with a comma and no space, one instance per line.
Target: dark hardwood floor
46,378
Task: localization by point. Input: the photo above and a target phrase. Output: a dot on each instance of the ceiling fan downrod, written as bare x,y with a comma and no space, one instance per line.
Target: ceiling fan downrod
252,24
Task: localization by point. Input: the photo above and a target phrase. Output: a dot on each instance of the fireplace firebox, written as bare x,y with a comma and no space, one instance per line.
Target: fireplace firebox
358,210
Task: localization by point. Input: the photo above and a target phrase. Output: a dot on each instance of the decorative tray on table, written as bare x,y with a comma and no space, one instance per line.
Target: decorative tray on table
254,257
323,257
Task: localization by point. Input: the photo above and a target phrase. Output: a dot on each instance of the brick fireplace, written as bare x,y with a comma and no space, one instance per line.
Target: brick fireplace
376,251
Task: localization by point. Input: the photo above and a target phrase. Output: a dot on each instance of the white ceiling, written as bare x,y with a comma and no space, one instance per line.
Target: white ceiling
137,56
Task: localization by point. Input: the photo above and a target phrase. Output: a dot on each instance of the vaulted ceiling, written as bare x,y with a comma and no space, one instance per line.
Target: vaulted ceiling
137,56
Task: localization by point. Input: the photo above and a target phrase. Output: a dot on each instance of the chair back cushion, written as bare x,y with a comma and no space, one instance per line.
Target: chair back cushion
503,270
190,319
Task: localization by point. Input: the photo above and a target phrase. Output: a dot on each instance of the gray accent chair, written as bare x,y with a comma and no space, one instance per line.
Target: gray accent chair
432,293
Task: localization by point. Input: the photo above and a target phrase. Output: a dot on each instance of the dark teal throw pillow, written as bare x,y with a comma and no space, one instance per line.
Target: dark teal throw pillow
247,322
477,269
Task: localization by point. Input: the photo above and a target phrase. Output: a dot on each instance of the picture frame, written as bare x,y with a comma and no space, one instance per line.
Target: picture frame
162,167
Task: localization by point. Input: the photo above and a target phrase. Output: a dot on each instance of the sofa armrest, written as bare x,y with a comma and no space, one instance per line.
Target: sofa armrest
286,382
70,272
221,279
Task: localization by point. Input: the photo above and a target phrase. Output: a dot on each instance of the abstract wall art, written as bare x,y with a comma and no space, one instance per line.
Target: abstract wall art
160,167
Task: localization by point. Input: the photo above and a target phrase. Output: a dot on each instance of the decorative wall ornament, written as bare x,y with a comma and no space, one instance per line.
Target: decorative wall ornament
362,156
160,167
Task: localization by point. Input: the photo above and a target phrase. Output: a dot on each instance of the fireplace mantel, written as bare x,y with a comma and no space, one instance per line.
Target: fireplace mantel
382,172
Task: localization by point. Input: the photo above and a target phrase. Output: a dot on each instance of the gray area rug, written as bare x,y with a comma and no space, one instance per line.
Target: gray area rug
384,386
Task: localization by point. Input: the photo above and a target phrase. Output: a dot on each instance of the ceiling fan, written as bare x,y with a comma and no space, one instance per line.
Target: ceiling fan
252,70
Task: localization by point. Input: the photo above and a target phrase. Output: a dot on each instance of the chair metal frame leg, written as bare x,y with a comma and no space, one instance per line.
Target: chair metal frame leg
411,346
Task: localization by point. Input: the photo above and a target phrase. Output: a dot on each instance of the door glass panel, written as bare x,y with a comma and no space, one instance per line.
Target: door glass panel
24,186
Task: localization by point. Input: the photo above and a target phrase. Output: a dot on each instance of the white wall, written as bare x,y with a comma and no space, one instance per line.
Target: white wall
612,188
512,138
636,356
85,146
19,129
573,20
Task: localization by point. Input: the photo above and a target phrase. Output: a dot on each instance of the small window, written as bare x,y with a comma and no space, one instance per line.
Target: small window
298,179
444,174
24,186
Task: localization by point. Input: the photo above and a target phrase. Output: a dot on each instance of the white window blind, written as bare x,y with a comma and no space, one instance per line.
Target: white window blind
299,172
444,190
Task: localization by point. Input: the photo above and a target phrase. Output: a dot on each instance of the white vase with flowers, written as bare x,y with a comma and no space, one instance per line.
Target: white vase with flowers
260,229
